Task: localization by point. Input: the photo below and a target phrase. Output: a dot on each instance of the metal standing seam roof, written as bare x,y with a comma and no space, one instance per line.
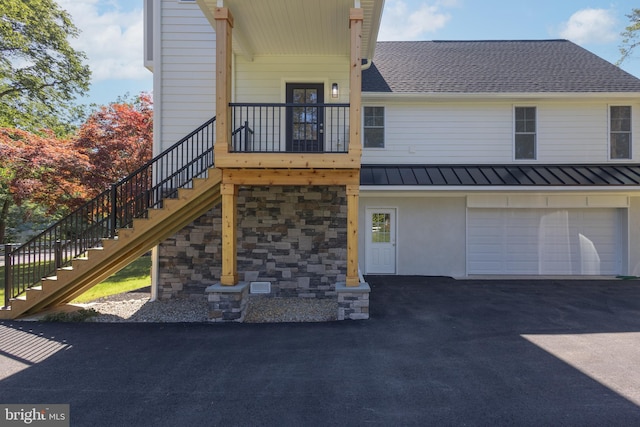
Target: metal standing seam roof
494,66
500,175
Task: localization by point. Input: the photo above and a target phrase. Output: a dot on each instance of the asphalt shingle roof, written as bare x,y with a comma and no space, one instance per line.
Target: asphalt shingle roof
492,67
500,175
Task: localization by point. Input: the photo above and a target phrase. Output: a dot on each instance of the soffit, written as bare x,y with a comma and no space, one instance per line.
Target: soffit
297,27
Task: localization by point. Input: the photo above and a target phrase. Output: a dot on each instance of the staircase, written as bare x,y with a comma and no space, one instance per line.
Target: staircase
115,228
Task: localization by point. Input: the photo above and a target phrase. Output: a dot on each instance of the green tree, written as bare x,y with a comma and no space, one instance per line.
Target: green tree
117,139
630,36
40,73
39,169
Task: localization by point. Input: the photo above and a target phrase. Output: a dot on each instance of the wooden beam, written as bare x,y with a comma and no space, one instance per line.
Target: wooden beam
229,275
224,26
353,192
356,18
287,160
291,177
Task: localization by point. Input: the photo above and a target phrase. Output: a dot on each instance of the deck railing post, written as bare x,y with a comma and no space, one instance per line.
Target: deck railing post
57,254
8,276
246,136
114,211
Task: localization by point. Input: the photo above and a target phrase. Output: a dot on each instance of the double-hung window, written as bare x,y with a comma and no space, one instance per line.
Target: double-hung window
373,127
620,132
525,133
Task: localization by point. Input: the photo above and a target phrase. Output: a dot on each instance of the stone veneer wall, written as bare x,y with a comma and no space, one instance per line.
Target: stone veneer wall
191,260
293,237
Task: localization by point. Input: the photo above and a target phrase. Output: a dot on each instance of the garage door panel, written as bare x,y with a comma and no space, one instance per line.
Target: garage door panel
544,241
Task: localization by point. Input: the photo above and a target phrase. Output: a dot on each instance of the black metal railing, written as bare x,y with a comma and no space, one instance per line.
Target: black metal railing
282,128
114,208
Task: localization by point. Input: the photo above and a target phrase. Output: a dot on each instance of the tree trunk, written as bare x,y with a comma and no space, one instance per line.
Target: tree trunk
4,213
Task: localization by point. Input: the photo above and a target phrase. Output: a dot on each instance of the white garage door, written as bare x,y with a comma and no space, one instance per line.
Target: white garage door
544,241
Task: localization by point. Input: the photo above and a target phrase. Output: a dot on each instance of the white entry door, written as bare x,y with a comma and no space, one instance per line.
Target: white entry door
380,246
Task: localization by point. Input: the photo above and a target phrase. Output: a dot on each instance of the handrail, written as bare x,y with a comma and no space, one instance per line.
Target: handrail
113,209
289,127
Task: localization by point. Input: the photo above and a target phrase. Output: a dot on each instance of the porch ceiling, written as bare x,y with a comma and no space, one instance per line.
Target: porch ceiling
297,27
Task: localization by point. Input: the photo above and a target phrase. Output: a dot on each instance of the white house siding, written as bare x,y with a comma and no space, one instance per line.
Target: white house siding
432,229
185,89
449,132
633,238
430,233
264,78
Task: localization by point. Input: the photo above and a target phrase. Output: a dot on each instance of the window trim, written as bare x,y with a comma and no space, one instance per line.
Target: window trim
384,127
609,132
535,133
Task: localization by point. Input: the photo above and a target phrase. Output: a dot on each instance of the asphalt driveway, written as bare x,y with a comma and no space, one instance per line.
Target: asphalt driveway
435,352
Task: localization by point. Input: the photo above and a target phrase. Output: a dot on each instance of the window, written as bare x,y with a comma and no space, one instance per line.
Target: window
374,127
620,132
525,133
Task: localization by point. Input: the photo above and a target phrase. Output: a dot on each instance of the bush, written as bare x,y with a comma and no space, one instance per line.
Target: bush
73,316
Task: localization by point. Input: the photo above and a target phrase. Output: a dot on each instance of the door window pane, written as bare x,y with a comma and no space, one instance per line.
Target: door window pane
381,228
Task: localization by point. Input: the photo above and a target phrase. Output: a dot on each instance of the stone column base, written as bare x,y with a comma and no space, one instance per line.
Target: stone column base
353,301
227,303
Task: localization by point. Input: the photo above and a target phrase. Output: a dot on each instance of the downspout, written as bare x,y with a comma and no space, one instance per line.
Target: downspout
367,64
157,127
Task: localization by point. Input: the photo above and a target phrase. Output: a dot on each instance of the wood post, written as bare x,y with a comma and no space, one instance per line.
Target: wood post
353,192
229,275
356,17
224,26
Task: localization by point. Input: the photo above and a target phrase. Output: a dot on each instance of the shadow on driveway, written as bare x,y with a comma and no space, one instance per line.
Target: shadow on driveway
436,351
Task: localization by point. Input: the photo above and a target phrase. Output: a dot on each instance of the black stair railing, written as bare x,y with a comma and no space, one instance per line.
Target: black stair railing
113,209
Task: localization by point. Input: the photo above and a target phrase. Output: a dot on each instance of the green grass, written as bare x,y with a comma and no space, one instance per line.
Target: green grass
135,276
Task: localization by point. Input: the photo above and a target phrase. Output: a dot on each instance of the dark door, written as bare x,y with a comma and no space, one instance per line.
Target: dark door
305,122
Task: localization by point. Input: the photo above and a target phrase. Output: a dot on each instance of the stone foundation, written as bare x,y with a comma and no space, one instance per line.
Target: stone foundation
293,237
191,260
353,301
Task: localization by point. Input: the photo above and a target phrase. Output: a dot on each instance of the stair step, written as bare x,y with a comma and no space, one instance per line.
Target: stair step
98,263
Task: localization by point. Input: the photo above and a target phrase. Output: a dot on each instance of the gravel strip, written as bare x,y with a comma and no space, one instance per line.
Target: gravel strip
272,310
143,310
136,307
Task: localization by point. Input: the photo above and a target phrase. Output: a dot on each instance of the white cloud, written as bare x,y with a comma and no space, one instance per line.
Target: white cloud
111,38
591,26
410,22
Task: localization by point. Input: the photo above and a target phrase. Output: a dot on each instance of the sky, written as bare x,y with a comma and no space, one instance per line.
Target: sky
112,31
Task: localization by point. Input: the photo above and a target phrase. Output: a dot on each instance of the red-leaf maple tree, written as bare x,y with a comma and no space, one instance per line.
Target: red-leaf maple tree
40,168
117,139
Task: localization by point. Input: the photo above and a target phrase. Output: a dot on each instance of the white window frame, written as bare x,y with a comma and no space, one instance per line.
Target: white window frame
535,133
384,127
609,132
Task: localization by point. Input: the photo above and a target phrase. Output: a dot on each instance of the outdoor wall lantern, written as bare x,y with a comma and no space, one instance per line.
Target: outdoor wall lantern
334,90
